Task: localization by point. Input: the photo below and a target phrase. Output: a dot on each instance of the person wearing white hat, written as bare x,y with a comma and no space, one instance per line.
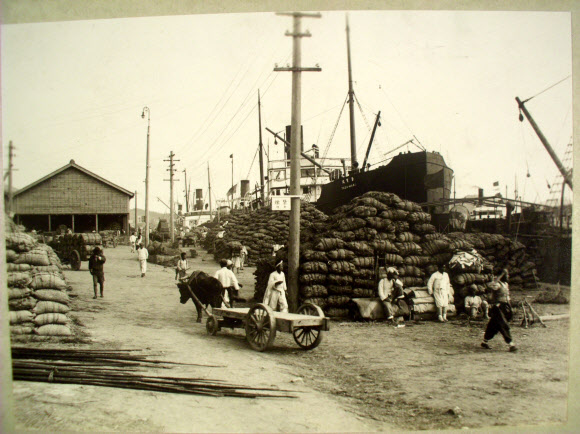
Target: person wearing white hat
439,287
227,278
275,295
391,293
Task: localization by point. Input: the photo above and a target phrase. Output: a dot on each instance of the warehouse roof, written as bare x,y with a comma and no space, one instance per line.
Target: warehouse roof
72,164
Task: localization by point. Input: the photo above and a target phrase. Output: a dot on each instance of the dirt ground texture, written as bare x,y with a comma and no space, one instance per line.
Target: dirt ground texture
363,377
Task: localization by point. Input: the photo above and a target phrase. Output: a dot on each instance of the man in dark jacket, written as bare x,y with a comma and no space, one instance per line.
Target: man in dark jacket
96,267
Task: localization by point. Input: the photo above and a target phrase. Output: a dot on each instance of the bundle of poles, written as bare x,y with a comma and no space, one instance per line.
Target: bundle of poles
120,369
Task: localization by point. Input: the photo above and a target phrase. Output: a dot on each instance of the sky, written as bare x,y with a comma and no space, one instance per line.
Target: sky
76,90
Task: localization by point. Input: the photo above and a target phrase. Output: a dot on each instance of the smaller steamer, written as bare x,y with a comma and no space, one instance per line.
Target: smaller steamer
261,324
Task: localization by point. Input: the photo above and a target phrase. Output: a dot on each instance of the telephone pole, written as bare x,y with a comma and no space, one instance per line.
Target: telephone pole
294,233
209,192
186,191
136,225
261,149
171,170
146,109
10,170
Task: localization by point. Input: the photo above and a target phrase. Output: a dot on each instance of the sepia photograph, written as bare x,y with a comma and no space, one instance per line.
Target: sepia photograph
288,216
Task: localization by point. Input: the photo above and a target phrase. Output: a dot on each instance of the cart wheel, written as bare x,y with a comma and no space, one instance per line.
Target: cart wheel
75,260
260,327
308,337
211,325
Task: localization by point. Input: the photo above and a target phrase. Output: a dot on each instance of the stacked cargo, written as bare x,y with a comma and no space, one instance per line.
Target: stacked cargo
37,290
261,230
378,230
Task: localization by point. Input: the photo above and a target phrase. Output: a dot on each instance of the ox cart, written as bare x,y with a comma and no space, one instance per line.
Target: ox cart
261,324
72,249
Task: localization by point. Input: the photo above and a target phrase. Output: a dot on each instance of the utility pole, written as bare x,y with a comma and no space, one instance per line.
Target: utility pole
232,190
209,191
136,211
10,170
186,192
294,233
561,168
171,170
146,109
261,150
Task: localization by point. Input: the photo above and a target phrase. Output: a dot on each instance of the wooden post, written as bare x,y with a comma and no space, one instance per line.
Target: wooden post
49,224
295,150
96,223
73,223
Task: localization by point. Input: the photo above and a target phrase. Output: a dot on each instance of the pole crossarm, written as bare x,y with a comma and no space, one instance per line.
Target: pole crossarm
293,69
306,34
301,14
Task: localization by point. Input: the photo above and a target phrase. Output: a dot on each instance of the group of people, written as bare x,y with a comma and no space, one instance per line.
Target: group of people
495,306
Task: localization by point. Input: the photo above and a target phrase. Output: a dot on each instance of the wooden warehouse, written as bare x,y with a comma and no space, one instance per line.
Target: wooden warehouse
74,197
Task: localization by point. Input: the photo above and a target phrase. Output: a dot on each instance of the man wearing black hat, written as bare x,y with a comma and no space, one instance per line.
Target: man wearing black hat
96,268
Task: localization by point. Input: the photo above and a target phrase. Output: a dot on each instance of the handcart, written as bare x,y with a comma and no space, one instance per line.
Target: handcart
261,324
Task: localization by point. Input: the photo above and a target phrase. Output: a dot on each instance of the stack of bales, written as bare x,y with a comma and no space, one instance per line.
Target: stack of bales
377,227
37,297
260,230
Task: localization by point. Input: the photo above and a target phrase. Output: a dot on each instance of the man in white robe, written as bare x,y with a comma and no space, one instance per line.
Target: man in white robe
275,295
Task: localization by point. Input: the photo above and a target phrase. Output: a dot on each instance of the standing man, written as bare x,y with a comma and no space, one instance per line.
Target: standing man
181,269
385,289
143,256
96,268
132,240
228,280
237,259
500,312
243,256
275,295
439,286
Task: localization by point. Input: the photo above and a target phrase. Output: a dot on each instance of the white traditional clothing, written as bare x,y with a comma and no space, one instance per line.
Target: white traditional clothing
181,268
439,286
132,240
143,256
275,295
228,279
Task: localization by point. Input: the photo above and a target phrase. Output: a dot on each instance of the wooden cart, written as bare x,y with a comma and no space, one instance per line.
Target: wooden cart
261,324
72,249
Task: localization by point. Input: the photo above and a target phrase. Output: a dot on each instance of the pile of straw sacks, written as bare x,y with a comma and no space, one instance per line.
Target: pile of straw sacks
342,262
37,290
261,229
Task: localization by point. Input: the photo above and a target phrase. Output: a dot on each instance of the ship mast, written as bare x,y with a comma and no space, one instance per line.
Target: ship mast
353,162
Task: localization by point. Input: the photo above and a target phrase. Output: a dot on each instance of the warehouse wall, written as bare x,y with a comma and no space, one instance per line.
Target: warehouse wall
72,192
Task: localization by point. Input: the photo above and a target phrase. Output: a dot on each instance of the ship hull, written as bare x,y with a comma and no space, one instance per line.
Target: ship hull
417,176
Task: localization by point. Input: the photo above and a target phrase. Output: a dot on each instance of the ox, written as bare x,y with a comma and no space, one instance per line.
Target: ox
206,288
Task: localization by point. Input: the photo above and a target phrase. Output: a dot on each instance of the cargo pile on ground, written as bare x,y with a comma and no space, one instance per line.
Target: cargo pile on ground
82,243
37,290
164,253
260,230
379,230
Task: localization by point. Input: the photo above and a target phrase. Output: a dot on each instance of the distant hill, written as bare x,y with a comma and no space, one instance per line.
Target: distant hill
153,215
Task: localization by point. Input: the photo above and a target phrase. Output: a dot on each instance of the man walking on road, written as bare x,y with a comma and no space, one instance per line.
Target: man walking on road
143,256
96,268
500,312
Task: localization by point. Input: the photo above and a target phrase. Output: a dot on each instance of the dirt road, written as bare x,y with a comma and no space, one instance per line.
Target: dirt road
363,377
145,313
